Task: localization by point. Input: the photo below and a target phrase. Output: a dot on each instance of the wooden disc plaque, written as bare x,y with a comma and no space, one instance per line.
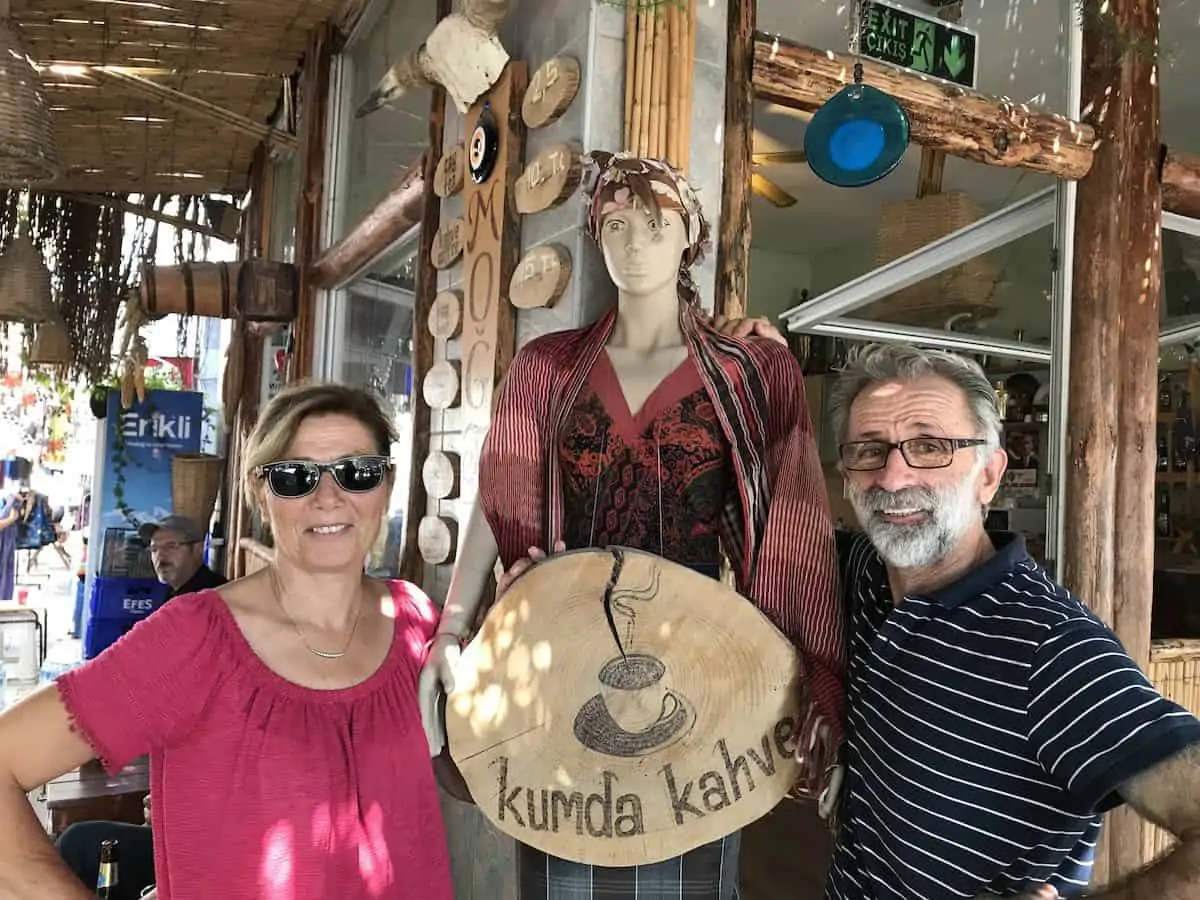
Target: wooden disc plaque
440,388
448,244
549,179
445,316
437,539
449,172
551,91
439,474
632,742
540,277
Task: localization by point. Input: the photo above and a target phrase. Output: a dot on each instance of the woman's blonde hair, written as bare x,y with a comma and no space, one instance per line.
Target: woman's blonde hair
280,420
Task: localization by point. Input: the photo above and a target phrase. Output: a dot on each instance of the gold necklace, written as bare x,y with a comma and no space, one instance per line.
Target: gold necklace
323,654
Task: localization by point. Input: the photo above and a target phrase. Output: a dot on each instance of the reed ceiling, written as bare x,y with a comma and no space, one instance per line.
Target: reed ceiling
234,54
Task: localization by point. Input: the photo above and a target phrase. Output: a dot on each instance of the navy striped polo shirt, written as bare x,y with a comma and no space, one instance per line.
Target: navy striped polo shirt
990,724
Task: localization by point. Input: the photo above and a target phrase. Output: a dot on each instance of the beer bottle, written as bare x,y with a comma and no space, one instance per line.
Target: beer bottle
106,882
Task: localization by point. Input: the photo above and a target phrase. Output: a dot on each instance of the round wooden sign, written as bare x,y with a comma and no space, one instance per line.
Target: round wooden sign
440,388
437,539
448,244
631,742
549,179
551,90
445,316
541,277
448,175
439,473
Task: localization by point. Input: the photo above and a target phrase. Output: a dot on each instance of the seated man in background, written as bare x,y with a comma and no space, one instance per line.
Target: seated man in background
177,551
992,717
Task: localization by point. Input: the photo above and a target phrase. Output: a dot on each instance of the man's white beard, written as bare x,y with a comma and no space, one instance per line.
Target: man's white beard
952,511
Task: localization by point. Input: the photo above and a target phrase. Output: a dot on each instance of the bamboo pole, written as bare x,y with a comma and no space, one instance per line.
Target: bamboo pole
688,83
663,43
646,51
653,149
674,71
631,31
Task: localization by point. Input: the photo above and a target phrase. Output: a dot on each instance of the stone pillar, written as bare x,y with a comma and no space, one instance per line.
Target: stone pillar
593,32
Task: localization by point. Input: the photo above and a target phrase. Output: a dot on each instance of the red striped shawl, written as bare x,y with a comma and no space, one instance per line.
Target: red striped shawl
776,528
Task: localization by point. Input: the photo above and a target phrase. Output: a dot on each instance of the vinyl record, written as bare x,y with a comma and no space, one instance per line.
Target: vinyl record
484,146
857,137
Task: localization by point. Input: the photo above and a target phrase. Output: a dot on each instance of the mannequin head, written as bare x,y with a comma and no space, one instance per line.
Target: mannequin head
648,223
643,248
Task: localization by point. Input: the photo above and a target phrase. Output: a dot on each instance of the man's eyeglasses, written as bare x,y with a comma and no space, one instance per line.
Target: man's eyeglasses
919,452
293,478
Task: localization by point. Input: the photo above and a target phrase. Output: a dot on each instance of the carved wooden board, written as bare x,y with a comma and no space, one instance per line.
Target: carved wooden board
550,179
552,90
445,317
440,475
437,538
611,741
441,384
493,245
541,277
448,244
448,176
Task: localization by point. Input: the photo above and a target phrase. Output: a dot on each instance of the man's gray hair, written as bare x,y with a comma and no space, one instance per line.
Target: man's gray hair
877,363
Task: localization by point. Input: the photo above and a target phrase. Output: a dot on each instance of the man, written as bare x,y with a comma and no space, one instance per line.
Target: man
992,717
177,551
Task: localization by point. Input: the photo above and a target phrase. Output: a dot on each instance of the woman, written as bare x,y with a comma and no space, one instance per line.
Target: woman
10,516
652,429
287,760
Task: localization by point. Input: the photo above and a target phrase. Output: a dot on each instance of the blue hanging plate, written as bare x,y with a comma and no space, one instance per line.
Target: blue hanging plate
857,137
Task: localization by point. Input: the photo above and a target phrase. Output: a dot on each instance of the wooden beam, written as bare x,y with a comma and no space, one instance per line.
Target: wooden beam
146,212
310,193
1181,183
941,116
733,235
187,103
392,216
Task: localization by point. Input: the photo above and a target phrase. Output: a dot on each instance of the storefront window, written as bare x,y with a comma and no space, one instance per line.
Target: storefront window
376,354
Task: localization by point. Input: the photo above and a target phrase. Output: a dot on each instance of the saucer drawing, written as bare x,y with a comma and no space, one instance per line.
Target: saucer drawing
596,729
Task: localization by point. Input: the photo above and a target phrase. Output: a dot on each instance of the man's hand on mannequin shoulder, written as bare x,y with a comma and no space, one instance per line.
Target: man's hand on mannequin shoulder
756,326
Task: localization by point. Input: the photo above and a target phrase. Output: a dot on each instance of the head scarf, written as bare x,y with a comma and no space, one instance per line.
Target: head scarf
619,180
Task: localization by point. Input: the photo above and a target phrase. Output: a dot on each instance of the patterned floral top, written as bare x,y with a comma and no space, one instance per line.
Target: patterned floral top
654,480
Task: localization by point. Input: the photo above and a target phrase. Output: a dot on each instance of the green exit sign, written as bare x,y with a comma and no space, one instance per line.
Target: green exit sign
917,42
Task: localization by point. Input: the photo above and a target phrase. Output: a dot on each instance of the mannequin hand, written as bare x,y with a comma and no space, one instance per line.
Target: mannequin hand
437,676
748,327
827,803
521,566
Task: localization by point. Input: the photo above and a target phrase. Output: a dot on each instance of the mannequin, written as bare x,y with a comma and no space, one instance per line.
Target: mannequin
650,429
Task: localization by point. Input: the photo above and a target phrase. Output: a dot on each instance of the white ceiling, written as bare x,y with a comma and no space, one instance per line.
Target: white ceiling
1021,57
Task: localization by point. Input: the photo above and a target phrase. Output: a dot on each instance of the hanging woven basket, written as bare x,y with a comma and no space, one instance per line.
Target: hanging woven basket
25,294
195,484
908,225
51,345
28,155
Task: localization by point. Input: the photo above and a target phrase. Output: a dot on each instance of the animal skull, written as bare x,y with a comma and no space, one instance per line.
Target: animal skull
462,54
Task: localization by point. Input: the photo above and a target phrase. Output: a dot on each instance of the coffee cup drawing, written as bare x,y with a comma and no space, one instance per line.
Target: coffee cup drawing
635,712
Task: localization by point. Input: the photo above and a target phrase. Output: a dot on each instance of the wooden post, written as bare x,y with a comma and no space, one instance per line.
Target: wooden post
1140,211
1109,486
386,223
412,567
309,196
733,234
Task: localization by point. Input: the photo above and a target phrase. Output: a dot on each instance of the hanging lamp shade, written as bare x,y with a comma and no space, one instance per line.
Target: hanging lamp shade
28,155
51,344
25,294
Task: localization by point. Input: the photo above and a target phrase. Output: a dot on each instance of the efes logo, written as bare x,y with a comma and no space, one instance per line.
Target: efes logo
156,426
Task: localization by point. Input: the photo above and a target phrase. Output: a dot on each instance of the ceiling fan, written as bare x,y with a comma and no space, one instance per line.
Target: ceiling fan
765,187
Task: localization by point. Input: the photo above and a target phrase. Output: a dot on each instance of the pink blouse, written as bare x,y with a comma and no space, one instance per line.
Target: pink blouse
263,789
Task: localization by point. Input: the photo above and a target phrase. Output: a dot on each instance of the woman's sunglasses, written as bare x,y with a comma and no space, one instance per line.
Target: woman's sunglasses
293,478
